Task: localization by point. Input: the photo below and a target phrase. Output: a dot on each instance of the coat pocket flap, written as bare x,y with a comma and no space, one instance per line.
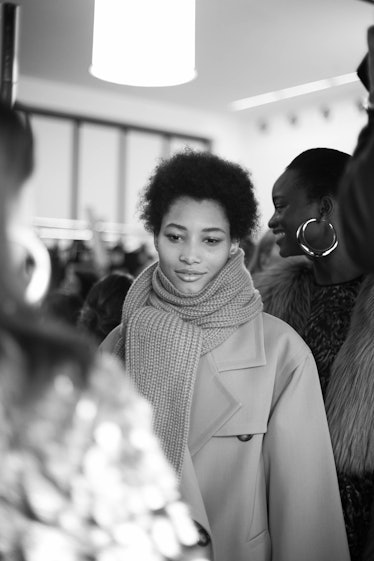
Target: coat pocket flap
224,365
242,427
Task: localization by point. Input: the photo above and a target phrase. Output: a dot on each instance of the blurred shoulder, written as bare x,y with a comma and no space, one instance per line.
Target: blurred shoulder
114,388
284,344
111,340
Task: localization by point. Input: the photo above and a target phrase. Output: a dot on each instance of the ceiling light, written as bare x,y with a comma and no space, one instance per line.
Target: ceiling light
310,87
144,42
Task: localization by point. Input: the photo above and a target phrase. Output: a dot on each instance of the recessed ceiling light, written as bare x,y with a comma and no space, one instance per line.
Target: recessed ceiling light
310,87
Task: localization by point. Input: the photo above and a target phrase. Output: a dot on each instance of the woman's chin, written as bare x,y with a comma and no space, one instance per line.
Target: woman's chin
189,289
290,252
284,251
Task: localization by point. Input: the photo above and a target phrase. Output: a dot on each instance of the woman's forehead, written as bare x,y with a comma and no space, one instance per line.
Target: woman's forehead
288,184
189,210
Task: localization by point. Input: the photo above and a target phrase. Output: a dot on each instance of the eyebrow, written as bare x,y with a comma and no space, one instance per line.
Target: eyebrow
206,230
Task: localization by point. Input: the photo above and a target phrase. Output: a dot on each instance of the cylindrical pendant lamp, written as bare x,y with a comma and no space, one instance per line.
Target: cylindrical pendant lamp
144,42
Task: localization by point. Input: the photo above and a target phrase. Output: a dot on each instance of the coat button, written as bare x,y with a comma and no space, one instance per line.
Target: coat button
204,538
244,437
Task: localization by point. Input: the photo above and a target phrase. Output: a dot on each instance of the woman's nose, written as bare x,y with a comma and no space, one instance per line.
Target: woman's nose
189,254
271,223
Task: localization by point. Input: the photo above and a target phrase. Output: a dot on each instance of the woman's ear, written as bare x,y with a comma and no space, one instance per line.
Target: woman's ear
234,247
155,242
326,206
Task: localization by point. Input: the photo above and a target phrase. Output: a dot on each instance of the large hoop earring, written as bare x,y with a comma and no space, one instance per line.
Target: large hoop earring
312,251
38,284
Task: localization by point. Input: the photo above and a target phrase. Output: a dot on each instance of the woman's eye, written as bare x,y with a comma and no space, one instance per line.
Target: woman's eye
212,241
174,237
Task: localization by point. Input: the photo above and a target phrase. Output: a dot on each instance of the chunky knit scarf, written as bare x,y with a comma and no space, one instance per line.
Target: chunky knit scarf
164,333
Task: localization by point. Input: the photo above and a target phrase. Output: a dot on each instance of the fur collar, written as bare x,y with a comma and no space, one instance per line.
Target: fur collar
286,290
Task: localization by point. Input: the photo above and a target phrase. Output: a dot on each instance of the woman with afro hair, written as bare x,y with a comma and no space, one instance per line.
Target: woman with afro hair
235,392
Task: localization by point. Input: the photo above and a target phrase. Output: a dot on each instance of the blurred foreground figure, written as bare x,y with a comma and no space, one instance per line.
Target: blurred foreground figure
82,476
357,208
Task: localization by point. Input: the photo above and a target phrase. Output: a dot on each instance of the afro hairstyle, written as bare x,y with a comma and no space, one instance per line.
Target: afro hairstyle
201,176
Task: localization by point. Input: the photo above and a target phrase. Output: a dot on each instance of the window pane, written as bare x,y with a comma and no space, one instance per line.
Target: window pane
51,181
98,172
143,154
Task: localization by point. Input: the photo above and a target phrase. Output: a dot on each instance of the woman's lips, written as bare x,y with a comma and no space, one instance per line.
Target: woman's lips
279,236
188,275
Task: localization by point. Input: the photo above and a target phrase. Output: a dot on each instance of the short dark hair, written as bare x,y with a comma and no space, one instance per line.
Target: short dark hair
201,176
62,306
320,170
102,309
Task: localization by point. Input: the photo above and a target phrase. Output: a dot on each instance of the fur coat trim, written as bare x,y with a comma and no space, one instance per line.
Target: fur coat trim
286,290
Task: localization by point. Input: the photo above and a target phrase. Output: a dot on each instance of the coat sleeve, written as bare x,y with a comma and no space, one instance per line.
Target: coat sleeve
356,200
369,549
304,508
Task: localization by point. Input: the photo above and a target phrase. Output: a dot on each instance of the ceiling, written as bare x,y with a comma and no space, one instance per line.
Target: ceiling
243,47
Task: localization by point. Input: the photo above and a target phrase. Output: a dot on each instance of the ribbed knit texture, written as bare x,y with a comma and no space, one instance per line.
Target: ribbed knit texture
164,333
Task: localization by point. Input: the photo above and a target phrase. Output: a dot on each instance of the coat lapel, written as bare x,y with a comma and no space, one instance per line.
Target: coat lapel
214,402
212,405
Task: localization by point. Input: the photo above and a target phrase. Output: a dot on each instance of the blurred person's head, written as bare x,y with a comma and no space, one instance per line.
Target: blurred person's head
265,254
24,262
62,306
249,247
16,165
117,257
306,204
102,309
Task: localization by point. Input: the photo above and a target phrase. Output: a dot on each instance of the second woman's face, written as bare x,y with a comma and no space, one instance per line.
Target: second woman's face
292,208
194,243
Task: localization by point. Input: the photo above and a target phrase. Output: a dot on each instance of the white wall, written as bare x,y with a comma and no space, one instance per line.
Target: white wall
263,140
221,128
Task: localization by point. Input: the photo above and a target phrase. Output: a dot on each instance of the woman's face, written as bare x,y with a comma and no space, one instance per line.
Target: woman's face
292,208
194,243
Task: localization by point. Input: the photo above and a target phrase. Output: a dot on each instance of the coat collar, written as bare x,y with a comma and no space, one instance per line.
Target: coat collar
245,348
